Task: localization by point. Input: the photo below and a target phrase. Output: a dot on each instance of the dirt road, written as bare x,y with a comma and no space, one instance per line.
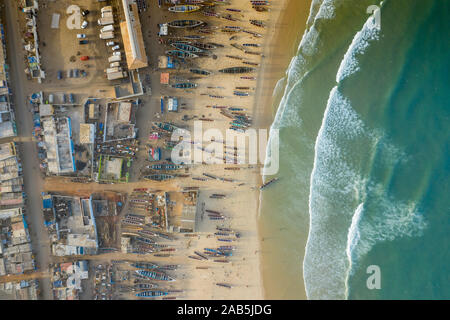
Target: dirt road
33,180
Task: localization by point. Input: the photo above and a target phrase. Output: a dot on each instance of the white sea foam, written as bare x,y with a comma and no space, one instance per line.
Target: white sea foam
360,43
340,234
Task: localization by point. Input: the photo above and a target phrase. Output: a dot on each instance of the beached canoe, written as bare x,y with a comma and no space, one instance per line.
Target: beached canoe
185,85
184,8
237,70
186,47
151,294
185,23
181,54
200,71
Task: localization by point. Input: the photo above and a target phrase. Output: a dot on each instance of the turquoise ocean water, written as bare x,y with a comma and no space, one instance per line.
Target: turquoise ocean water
364,151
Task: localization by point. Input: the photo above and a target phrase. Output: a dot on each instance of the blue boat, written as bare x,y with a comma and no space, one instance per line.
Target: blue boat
154,275
151,294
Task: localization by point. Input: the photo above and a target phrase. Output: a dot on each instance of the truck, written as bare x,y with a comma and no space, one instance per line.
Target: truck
107,28
105,9
105,20
107,35
113,70
114,59
116,75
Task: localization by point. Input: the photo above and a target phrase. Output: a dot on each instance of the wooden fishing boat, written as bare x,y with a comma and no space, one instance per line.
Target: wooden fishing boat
166,126
200,71
210,13
251,44
231,29
164,166
223,285
248,78
181,54
159,177
258,23
201,255
194,257
185,23
144,265
234,70
234,57
192,37
241,94
233,10
268,183
145,286
151,294
204,46
186,47
184,85
154,275
169,267
184,8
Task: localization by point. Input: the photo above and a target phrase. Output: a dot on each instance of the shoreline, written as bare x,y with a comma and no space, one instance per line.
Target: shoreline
286,30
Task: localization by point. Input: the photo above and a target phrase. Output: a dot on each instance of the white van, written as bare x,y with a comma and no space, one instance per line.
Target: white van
115,48
107,28
117,53
114,64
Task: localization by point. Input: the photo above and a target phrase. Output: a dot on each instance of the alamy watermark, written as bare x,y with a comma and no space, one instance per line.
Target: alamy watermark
375,11
237,147
374,280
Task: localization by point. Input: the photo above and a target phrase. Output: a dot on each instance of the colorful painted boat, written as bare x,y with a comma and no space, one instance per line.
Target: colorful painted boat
268,183
186,47
151,294
159,177
154,275
200,71
185,23
145,286
237,70
184,8
185,85
164,166
181,54
144,265
204,46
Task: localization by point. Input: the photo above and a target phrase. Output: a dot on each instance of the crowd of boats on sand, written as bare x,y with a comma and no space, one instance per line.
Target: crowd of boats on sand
148,280
187,41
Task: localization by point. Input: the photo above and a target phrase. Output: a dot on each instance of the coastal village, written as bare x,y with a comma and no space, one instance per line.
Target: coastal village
91,204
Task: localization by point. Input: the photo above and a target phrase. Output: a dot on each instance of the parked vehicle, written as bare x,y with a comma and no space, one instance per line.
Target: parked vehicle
84,24
107,28
117,53
81,36
76,73
83,42
85,13
84,58
60,75
114,58
107,35
105,9
114,64
50,98
115,48
110,43
71,98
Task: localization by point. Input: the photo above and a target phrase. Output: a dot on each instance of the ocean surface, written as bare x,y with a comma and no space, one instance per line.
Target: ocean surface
364,129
